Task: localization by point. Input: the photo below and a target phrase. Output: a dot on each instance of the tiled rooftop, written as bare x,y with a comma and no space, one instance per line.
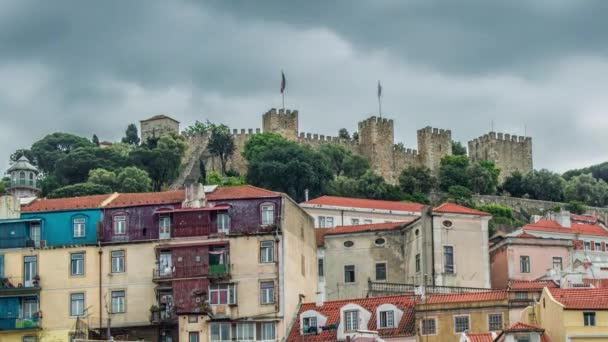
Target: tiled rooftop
361,228
70,203
545,225
146,198
240,192
454,208
466,297
365,204
530,285
480,337
320,235
581,298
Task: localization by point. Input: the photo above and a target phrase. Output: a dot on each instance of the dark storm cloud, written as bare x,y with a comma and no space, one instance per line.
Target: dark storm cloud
93,67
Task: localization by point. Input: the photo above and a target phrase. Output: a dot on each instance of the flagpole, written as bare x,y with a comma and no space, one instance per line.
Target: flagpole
379,106
283,99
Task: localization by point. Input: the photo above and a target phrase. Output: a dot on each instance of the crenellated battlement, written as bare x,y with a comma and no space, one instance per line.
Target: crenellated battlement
244,133
438,132
408,151
500,137
375,121
510,152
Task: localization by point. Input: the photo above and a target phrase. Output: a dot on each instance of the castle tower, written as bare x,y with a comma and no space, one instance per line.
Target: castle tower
433,144
510,153
24,177
283,122
157,126
376,140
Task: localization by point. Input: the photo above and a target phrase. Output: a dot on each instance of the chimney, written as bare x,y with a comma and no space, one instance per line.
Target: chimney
10,208
305,195
563,218
319,300
195,196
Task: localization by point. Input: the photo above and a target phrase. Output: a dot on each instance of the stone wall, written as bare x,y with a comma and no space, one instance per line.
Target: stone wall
157,127
283,122
433,144
510,152
376,141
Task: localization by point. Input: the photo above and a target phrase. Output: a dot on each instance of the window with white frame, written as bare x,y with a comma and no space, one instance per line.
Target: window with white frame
557,263
309,325
222,294
193,336
587,245
30,339
219,332
598,246
120,224
164,224
267,332
448,259
349,273
30,307
77,264
267,214
354,221
381,271
77,304
326,222
267,292
387,319
118,261
428,326
461,323
223,223
524,264
495,322
521,295
118,301
320,267
35,233
351,320
266,251
245,331
522,337
79,224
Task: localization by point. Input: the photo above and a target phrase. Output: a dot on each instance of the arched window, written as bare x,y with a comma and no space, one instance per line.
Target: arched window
31,179
22,178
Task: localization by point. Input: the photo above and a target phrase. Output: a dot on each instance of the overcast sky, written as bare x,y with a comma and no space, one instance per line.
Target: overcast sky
90,67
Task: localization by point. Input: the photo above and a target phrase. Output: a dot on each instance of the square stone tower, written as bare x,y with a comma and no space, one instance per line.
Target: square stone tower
282,122
376,140
157,126
509,152
433,144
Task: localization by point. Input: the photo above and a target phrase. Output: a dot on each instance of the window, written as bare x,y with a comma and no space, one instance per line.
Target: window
266,251
118,261
192,319
598,246
448,259
120,224
461,323
35,233
164,226
351,319
349,273
30,339
380,241
193,336
30,307
79,227
380,271
589,319
557,263
495,322
320,266
348,243
118,301
267,292
587,245
524,264
77,264
428,326
447,223
354,221
267,331
223,223
222,294
522,338
267,213
418,262
521,295
326,222
310,325
220,332
387,319
245,331
77,304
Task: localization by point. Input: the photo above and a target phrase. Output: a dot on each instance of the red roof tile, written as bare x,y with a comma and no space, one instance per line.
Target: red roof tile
146,198
365,203
527,236
69,203
482,337
528,285
584,218
331,310
519,326
454,208
545,225
466,297
240,192
320,235
361,228
581,298
601,283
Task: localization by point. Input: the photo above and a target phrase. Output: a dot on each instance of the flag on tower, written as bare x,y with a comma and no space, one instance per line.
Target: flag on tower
283,82
379,89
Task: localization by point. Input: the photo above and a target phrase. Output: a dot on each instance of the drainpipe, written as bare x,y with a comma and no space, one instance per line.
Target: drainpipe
100,251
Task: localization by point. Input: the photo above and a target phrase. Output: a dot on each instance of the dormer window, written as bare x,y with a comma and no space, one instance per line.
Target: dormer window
309,325
387,319
223,223
79,227
120,224
351,320
267,213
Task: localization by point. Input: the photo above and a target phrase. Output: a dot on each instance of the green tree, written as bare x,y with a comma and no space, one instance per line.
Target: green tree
221,144
369,185
287,167
95,140
343,134
343,162
47,184
458,149
586,189
343,187
452,171
103,177
514,184
131,137
23,152
416,180
544,185
460,195
51,148
202,170
80,189
215,178
197,129
599,171
354,165
74,167
576,207
132,179
482,177
262,142
355,136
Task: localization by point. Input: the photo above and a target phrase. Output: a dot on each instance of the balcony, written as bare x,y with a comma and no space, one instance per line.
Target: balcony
13,323
176,272
16,286
162,316
219,270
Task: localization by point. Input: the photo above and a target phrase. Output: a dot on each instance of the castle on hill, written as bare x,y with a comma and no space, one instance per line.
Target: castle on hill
376,143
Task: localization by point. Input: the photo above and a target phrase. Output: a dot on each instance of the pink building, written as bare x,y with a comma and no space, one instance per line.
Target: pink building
526,257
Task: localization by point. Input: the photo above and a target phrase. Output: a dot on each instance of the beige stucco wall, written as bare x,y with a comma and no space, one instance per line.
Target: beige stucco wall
342,217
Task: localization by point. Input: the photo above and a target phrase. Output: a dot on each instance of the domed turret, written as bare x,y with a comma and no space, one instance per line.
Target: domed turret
24,177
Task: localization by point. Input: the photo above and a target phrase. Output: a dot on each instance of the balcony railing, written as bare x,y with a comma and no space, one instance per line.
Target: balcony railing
18,285
190,271
381,288
17,242
23,182
160,316
218,270
14,323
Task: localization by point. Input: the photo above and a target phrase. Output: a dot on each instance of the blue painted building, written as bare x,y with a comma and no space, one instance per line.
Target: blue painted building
19,233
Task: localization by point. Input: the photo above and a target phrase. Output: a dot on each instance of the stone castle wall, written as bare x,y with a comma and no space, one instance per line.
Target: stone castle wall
510,152
157,128
433,145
